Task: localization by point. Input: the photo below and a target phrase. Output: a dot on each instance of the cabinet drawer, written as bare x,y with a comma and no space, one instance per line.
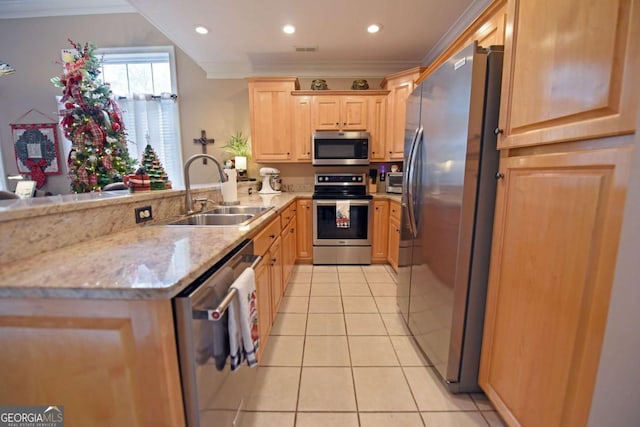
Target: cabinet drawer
394,211
266,237
287,214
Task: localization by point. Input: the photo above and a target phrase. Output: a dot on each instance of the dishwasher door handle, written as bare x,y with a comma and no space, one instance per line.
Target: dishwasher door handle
214,315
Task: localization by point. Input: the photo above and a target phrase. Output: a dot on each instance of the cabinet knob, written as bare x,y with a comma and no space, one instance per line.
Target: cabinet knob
272,236
337,123
293,230
499,175
308,207
498,131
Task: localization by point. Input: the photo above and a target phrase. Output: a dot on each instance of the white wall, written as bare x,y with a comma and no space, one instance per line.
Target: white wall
616,398
32,46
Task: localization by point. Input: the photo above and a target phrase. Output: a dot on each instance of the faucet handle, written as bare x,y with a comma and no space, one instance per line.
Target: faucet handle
203,202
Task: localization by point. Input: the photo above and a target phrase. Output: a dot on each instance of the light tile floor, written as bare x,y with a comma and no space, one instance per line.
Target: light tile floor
340,355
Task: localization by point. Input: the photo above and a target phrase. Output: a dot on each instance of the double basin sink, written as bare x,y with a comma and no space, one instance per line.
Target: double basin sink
222,216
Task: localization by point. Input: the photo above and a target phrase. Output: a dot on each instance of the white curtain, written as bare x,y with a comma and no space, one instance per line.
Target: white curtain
154,120
3,177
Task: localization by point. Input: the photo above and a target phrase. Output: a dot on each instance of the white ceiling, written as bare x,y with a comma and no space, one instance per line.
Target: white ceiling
246,39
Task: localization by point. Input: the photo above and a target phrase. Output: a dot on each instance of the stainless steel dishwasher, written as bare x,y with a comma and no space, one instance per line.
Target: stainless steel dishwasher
213,395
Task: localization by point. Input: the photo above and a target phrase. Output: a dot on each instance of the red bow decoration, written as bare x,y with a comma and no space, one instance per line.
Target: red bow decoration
37,172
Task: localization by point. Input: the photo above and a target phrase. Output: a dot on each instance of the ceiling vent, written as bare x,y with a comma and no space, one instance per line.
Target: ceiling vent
306,48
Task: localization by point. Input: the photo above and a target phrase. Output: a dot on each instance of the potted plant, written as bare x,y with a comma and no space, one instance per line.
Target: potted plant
238,146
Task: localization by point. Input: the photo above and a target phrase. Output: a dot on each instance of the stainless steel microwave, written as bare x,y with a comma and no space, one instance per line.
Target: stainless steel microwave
340,148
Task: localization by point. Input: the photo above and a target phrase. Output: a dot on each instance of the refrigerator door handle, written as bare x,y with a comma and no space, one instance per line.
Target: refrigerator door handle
411,205
405,177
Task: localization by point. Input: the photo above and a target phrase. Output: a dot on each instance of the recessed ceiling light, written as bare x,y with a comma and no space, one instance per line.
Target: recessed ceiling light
202,30
289,29
374,28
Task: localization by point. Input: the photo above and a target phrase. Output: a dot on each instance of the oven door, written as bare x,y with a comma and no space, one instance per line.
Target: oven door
327,233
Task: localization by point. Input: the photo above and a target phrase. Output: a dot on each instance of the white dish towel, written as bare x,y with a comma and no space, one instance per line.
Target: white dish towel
343,219
243,321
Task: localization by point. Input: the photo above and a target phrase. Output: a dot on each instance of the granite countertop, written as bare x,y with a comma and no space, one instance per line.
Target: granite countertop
146,262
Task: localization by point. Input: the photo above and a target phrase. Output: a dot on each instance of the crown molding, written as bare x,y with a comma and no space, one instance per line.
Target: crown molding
41,8
461,24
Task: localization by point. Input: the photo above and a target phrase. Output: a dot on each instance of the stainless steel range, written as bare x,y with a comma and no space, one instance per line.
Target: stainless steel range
342,219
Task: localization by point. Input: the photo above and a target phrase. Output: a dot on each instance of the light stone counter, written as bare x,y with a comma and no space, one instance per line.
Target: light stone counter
145,262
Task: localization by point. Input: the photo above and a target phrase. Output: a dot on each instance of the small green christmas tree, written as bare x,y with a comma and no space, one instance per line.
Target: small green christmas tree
157,175
92,121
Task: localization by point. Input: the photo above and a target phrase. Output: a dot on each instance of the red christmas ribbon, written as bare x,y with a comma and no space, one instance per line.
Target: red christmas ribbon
37,172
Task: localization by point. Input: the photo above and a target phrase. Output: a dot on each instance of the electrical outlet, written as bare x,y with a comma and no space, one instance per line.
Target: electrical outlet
143,214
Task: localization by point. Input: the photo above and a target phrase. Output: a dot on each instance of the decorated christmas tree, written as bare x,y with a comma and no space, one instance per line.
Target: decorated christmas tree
157,175
92,121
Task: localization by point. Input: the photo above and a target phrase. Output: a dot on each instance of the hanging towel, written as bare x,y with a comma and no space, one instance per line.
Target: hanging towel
243,321
342,214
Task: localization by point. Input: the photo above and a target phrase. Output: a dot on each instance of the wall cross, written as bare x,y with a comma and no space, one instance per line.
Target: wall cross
204,141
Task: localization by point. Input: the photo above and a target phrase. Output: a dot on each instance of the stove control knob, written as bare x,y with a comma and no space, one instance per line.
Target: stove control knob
353,178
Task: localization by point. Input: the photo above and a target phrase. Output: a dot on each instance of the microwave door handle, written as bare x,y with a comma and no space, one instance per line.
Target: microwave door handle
411,208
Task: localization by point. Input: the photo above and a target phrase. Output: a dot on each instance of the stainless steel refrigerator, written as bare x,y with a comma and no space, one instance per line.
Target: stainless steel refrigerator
448,201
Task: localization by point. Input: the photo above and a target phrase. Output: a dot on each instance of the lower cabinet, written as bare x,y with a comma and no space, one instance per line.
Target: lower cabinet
288,251
109,362
380,234
275,273
263,290
393,247
304,228
556,230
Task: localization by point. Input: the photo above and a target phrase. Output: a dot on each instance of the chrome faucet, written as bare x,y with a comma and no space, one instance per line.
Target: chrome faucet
187,182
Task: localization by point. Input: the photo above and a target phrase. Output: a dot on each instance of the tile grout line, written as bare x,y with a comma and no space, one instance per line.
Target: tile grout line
353,377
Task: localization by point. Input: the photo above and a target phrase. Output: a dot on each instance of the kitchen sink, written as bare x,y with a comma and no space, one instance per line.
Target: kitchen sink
254,210
222,216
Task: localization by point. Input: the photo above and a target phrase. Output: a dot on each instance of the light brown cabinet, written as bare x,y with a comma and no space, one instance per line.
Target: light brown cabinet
569,101
377,127
110,362
400,86
570,71
288,248
380,233
557,225
263,291
270,115
301,128
340,112
275,275
304,235
394,234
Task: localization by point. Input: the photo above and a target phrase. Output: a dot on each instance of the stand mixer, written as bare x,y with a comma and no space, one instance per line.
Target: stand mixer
269,176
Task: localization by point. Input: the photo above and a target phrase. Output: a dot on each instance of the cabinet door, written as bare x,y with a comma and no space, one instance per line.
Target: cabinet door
270,107
302,129
556,231
288,252
326,113
380,231
263,290
353,113
304,236
491,33
275,271
571,71
397,114
394,242
377,127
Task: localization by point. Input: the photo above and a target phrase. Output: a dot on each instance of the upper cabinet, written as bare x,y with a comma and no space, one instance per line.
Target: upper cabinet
571,71
339,113
270,108
400,86
377,127
301,128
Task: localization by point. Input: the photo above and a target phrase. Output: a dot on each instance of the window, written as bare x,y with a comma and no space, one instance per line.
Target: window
143,81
